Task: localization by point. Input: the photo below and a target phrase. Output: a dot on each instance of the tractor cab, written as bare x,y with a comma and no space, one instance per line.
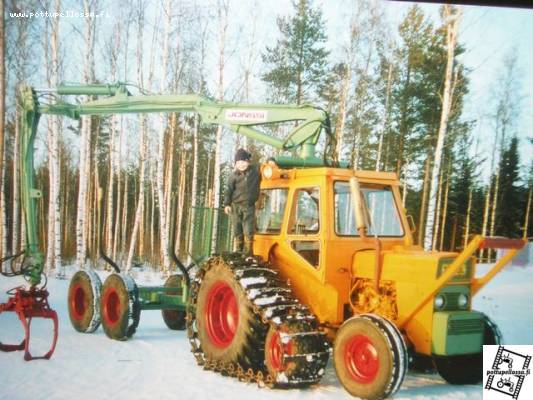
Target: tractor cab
306,226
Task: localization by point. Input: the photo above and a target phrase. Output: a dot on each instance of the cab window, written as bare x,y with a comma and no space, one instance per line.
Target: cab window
269,216
384,217
305,218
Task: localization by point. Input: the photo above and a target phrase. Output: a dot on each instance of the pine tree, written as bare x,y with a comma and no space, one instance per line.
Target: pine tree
298,62
509,218
463,184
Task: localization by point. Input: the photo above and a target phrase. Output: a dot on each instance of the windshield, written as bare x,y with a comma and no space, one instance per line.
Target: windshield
384,217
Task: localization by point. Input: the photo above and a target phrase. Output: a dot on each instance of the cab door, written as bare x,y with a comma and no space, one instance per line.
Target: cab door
304,226
299,255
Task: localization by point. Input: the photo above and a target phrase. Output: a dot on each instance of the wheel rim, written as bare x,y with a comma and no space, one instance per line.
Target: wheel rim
111,312
276,350
77,304
361,359
221,314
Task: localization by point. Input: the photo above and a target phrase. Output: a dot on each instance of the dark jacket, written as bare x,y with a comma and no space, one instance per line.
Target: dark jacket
243,187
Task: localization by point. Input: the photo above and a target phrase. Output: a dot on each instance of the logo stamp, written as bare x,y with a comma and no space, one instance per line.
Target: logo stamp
506,374
246,115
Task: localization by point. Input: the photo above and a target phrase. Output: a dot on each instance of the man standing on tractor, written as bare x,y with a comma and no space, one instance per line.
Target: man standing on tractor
242,192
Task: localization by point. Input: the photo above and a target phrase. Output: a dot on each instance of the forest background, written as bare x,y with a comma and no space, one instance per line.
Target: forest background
386,72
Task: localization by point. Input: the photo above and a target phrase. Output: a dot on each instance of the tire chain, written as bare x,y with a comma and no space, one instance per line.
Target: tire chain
299,324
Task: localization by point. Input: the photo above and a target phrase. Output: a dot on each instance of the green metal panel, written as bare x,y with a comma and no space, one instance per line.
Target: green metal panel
156,298
202,232
457,332
464,273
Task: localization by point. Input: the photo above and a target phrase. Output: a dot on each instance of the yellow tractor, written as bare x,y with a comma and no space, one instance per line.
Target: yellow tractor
335,264
334,267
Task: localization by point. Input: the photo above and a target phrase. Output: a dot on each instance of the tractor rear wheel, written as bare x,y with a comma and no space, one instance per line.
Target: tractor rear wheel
228,330
467,369
84,301
174,319
370,357
120,306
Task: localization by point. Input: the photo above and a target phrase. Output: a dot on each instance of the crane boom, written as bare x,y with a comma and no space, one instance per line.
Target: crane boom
243,119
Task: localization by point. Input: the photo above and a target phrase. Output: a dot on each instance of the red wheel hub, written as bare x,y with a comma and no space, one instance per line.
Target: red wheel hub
361,359
221,314
77,302
276,350
111,309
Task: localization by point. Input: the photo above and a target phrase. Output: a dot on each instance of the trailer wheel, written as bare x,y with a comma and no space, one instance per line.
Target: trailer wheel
174,319
84,301
227,328
120,306
370,357
467,369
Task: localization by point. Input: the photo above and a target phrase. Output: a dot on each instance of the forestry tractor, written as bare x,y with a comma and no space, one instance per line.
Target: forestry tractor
334,270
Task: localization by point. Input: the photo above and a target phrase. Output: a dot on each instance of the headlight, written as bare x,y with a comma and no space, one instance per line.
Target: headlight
462,300
268,171
440,301
271,171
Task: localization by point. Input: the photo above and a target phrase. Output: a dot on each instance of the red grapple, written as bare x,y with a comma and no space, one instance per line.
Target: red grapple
29,304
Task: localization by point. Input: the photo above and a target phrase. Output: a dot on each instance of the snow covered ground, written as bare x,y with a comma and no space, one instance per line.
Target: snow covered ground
157,364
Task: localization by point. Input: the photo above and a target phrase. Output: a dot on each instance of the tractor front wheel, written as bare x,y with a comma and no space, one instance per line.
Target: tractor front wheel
120,306
84,301
370,357
467,369
174,319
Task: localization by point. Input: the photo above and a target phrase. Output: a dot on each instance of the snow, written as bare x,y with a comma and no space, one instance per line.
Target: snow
157,363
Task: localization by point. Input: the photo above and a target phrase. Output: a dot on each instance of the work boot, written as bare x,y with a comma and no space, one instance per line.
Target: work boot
248,246
237,244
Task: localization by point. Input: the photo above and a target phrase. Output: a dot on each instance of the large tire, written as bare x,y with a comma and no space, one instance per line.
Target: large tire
370,357
120,306
282,348
84,301
174,319
467,369
228,330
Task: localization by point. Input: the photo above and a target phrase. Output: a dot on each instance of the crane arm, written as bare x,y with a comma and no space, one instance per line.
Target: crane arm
241,118
244,119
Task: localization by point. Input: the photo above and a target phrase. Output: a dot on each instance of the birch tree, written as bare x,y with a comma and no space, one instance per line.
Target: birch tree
53,254
163,220
350,50
386,116
222,15
452,16
195,149
2,124
85,140
142,141
506,114
113,47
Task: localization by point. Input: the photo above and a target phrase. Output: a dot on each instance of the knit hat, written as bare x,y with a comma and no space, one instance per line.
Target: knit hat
242,155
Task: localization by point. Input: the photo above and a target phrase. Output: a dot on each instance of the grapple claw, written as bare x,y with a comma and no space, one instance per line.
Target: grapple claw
29,304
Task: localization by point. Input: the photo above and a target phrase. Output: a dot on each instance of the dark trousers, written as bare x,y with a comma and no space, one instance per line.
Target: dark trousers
242,219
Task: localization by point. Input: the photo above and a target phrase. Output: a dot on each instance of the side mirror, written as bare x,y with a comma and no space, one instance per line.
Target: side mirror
411,222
